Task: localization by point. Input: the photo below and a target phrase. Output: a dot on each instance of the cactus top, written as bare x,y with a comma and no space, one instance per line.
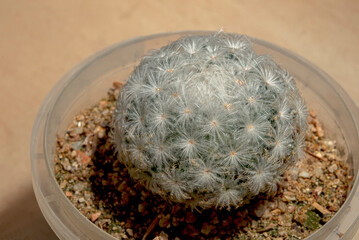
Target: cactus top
207,121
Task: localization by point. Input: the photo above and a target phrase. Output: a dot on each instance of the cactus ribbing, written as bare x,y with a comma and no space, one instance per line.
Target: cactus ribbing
207,121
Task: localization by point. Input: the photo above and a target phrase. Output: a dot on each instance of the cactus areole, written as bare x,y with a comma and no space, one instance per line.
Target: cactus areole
207,122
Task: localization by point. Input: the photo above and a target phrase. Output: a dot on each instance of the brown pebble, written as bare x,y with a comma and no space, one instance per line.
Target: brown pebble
282,206
300,217
102,104
320,132
260,209
164,220
276,212
240,222
175,221
190,217
140,207
95,216
227,222
312,113
289,196
267,228
175,209
68,194
320,208
122,186
207,228
63,184
117,84
215,220
131,192
333,208
190,231
82,158
125,198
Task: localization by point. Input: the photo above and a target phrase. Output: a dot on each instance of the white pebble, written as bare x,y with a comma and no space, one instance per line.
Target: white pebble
332,168
304,174
129,231
100,132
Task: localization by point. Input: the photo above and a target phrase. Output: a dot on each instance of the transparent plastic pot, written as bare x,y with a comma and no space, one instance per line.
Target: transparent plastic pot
89,81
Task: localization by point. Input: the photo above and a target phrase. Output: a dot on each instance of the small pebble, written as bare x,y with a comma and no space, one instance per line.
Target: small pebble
254,224
291,209
66,164
80,117
76,146
95,216
289,196
175,209
215,220
282,206
129,232
101,132
318,154
190,218
318,190
175,221
332,168
123,235
73,154
79,186
102,104
294,173
329,143
122,186
131,192
207,228
164,221
140,208
259,211
77,131
190,231
68,194
82,158
63,184
317,172
304,174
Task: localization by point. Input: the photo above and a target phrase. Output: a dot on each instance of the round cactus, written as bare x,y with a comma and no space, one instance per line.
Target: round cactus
208,122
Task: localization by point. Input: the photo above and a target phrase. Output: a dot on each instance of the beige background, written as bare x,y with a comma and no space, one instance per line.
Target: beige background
41,40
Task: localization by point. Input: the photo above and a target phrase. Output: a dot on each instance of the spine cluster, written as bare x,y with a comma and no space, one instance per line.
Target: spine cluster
207,121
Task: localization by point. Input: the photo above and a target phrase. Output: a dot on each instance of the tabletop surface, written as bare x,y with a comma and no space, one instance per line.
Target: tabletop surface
41,40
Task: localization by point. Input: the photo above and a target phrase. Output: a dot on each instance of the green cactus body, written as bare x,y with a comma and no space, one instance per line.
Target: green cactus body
208,122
